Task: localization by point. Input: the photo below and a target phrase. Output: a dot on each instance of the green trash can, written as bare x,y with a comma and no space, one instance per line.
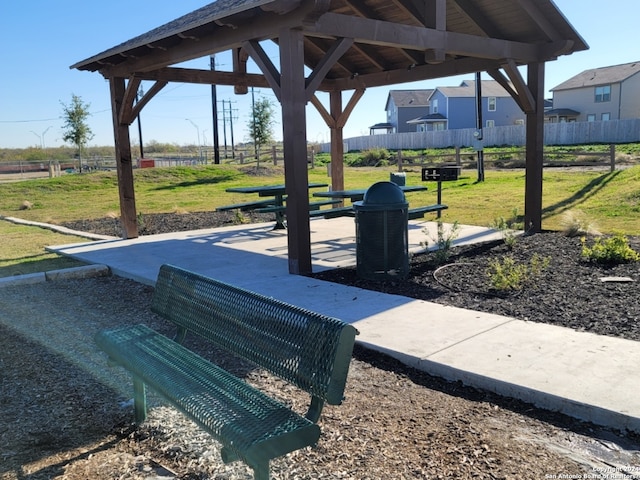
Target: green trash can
382,244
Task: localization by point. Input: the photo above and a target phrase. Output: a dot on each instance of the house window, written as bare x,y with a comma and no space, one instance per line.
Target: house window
492,104
490,123
603,93
434,105
591,117
606,117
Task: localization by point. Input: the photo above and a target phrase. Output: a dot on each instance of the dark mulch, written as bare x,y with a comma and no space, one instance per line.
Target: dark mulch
569,292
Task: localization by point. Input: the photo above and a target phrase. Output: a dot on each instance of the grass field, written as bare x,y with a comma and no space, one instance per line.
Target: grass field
609,201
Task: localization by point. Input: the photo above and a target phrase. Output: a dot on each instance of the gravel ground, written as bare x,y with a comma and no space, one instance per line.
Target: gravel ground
65,413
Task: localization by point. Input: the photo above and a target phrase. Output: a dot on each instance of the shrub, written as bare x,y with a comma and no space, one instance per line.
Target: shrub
373,157
576,223
506,274
612,250
507,227
444,241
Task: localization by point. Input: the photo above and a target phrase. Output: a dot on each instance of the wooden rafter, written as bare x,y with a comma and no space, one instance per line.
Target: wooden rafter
269,70
338,49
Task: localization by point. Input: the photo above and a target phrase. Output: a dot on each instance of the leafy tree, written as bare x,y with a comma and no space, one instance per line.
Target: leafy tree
260,124
76,130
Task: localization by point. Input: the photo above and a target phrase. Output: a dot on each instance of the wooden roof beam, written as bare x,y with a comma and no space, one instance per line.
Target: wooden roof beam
204,77
419,72
376,32
363,11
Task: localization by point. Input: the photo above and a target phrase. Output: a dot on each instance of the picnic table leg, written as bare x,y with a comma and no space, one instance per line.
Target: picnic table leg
280,216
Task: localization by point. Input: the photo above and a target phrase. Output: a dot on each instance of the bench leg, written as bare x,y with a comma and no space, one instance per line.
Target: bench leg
261,472
139,401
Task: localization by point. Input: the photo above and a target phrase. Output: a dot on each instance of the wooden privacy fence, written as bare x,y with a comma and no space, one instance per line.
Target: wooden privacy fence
574,133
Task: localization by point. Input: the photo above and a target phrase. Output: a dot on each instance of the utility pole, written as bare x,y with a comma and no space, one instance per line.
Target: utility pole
478,133
233,146
224,126
214,108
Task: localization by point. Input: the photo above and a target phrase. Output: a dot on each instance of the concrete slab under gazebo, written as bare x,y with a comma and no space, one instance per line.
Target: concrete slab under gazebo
347,45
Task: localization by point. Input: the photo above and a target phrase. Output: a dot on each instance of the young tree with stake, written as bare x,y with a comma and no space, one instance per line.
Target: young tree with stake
76,130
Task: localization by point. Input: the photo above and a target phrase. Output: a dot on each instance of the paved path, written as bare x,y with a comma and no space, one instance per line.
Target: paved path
587,376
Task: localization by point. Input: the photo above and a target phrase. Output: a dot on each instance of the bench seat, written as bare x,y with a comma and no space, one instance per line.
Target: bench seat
334,212
419,212
240,416
247,205
313,206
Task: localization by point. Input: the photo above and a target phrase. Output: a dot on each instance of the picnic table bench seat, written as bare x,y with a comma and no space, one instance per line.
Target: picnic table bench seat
419,212
313,206
244,206
309,350
335,212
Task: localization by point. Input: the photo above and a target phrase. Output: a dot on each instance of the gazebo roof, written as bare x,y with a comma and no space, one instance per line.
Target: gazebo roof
459,38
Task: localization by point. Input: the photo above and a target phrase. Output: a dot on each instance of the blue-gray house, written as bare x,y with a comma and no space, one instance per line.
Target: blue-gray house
402,106
455,107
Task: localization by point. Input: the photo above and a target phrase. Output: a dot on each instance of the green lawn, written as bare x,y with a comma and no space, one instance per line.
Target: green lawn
609,201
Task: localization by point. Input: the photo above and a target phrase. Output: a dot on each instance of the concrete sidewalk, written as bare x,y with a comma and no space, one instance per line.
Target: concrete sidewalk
587,376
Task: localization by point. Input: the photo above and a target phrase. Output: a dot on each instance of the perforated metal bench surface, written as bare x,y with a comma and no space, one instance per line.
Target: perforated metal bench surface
306,349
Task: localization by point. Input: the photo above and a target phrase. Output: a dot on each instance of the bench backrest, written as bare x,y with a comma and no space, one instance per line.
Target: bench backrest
309,350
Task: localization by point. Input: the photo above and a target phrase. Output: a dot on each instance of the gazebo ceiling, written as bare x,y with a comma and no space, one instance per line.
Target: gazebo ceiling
394,41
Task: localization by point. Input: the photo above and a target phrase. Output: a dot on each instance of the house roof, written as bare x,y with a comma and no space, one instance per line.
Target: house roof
561,112
432,117
393,41
490,88
600,76
409,98
381,126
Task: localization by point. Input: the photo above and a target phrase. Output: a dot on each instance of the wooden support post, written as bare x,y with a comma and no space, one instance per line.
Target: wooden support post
612,156
337,142
124,165
293,100
534,154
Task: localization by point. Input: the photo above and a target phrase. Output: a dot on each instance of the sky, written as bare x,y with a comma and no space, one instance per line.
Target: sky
40,39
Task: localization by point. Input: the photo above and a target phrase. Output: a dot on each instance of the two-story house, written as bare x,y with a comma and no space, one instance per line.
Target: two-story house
598,94
455,107
446,108
402,106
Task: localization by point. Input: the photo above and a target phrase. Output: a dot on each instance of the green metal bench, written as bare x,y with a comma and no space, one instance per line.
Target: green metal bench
309,350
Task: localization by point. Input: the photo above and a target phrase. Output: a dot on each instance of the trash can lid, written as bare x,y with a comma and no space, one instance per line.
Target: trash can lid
383,193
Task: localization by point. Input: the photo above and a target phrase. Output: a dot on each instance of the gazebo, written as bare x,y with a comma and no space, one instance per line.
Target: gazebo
347,45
